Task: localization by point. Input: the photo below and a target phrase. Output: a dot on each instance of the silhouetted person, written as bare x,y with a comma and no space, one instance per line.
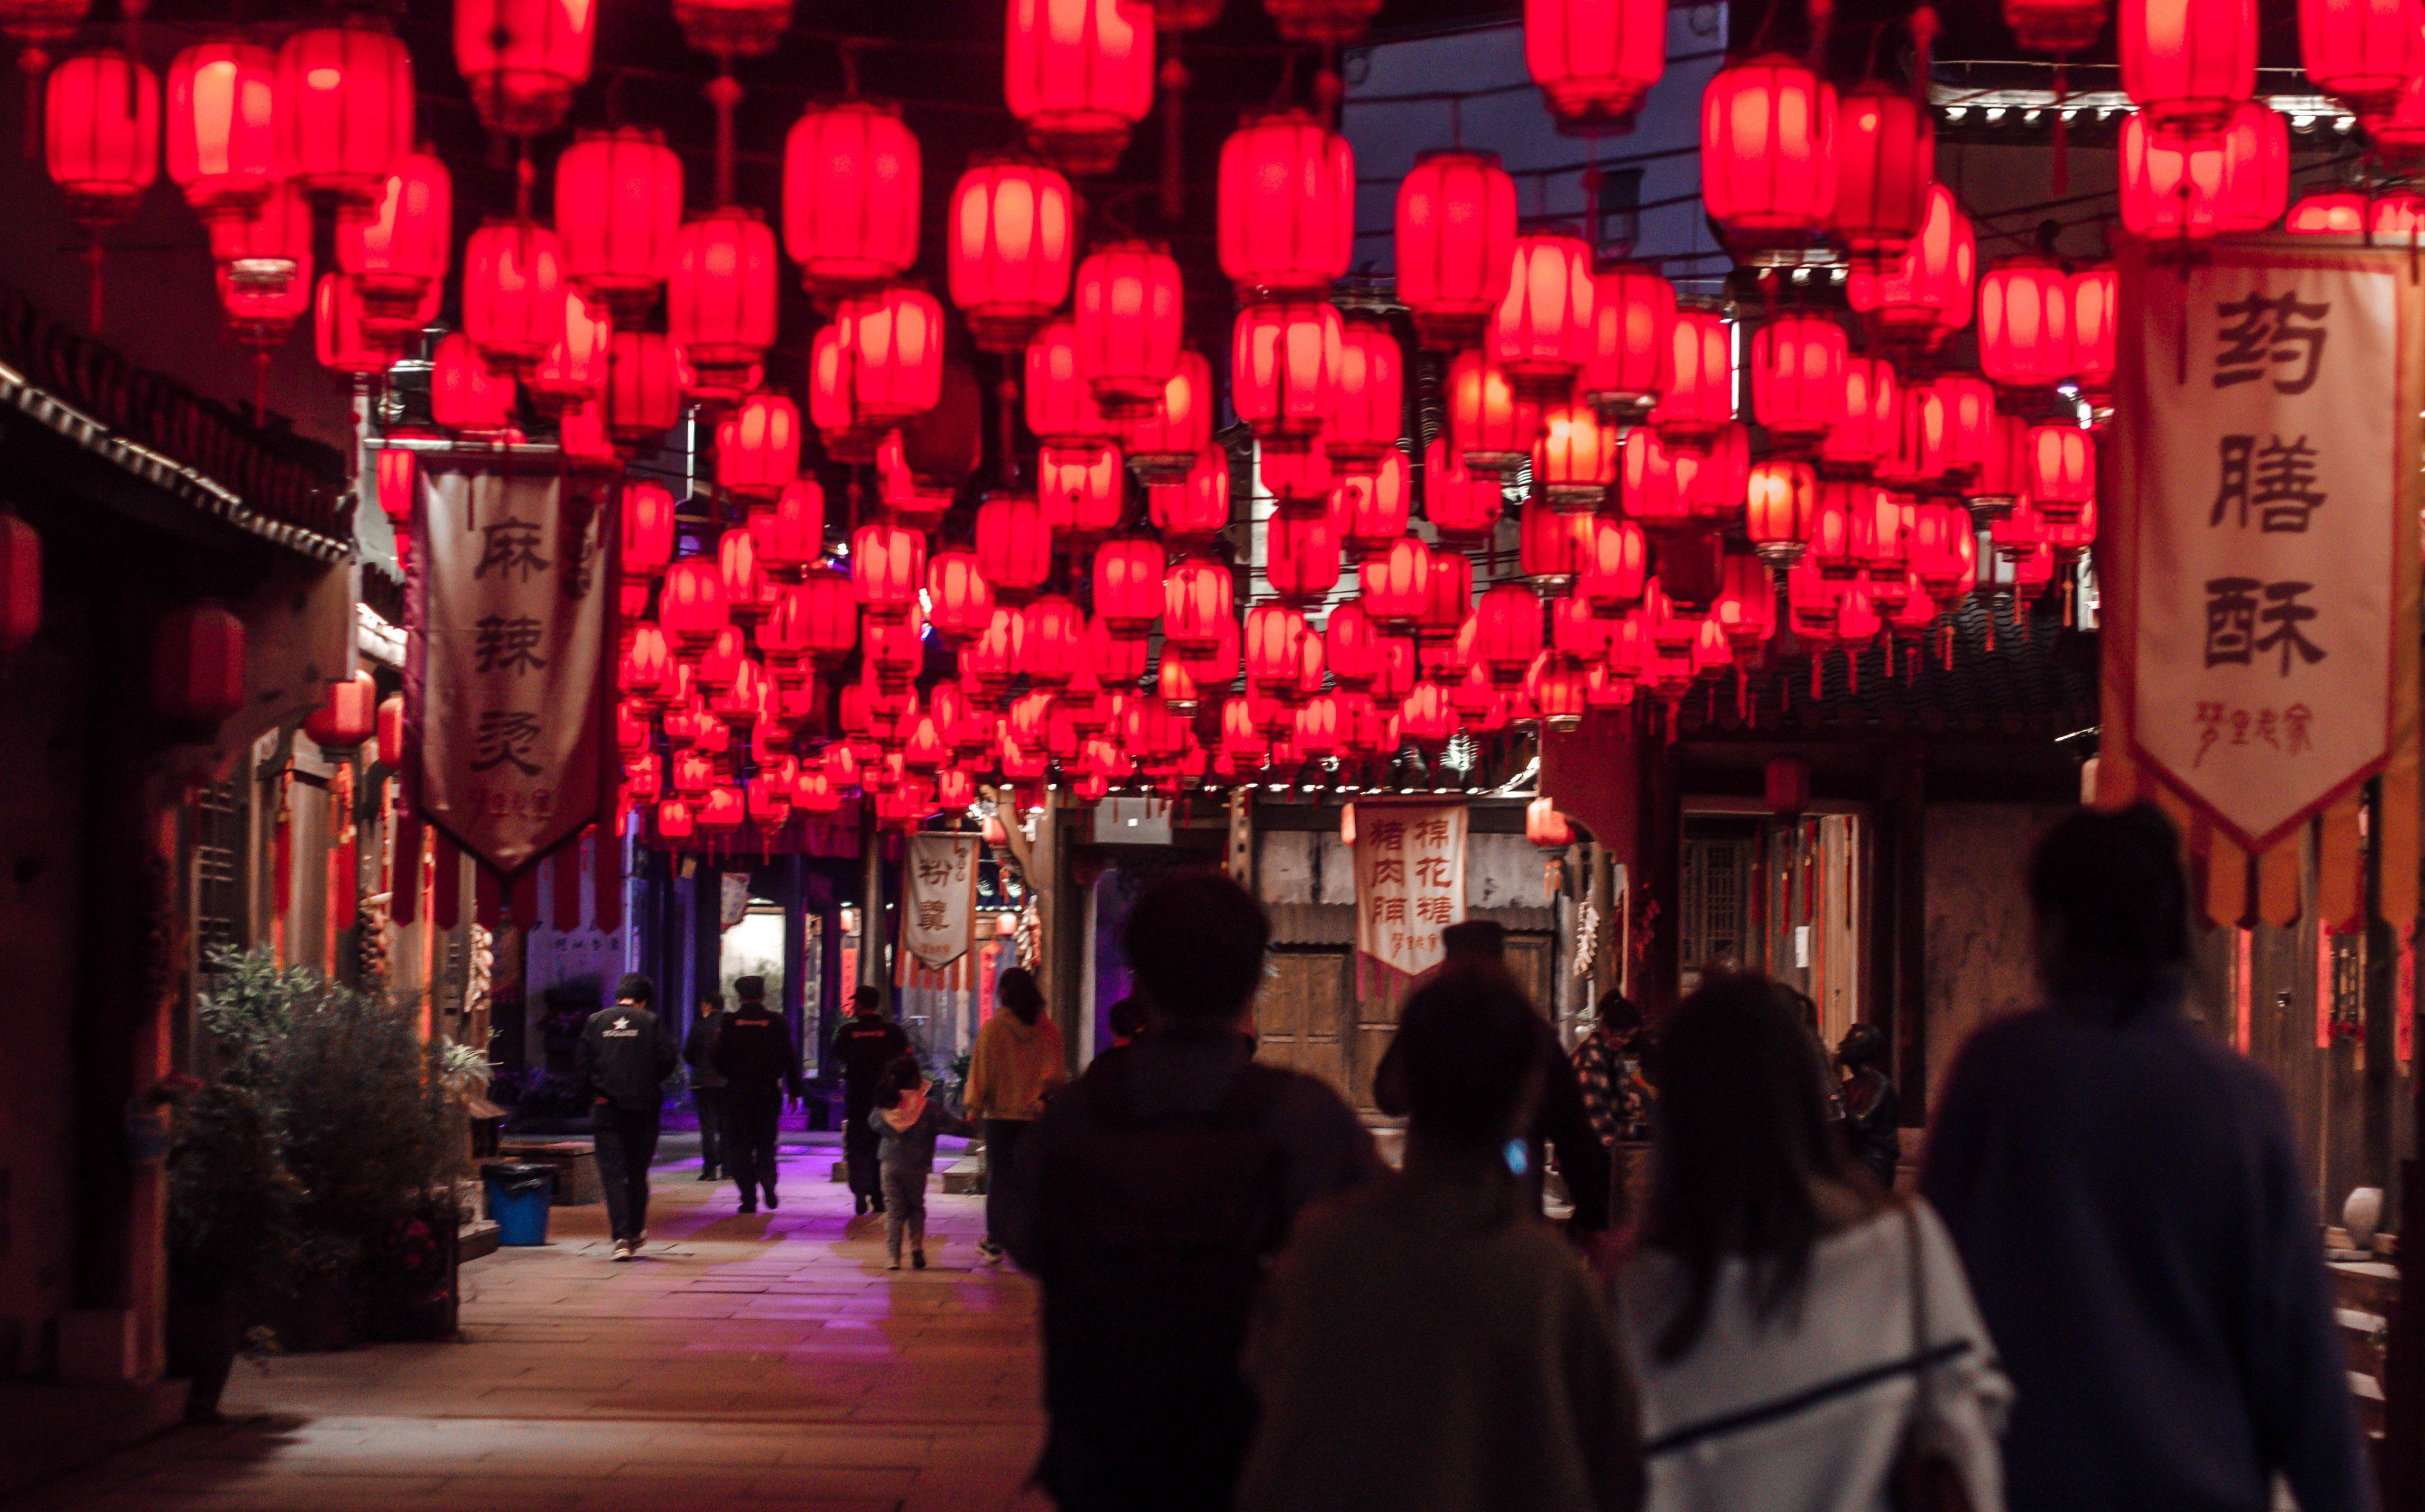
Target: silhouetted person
908,1119
1872,1114
1016,1063
1147,1202
707,1084
1792,1329
2137,1217
1607,1071
756,1056
866,1045
624,1058
1126,1019
1428,1341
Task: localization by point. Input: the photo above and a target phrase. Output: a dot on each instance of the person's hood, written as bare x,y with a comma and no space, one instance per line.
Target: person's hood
904,1115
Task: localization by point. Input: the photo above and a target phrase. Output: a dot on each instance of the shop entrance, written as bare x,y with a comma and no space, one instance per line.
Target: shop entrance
1779,896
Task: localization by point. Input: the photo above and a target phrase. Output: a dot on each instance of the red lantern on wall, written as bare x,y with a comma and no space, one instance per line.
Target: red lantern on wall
523,60
851,185
1492,427
1287,206
619,204
222,120
896,348
1461,505
1191,512
101,135
2188,63
1014,545
1542,333
1700,398
1129,326
1768,152
1456,244
1078,74
1886,160
1797,375
720,306
197,666
1283,360
1595,59
1061,406
345,109
1162,443
1013,244
399,251
348,717
2360,52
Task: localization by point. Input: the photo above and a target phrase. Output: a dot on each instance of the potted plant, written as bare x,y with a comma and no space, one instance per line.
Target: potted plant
231,1233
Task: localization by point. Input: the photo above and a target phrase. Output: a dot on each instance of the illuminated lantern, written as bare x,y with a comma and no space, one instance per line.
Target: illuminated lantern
1700,398
338,338
1456,244
1301,558
1427,718
2024,324
619,204
1301,482
829,613
1396,583
691,606
1490,425
1196,600
648,528
574,372
1287,206
1939,534
758,448
728,29
222,123
348,716
345,109
1542,333
1274,637
1865,430
1612,560
888,564
2192,189
2332,212
1633,323
2095,320
1460,506
465,393
1715,485
768,803
1768,152
1352,646
717,667
1368,401
1014,545
2055,27
1885,159
1574,462
523,59
1507,632
851,185
896,342
720,808
513,293
1013,243
643,388
1920,298
2360,52
1779,503
398,251
1081,490
1191,512
675,820
1328,22
2062,471
2188,63
1576,628
1077,74
791,534
960,601
1917,459
720,304
1284,359
1746,609
832,396
398,482
814,793
1969,417
102,133
267,253
1371,512
1129,326
1655,485
1595,59
1128,585
1164,442
1061,406
1797,375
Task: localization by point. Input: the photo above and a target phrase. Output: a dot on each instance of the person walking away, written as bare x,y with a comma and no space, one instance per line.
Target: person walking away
866,1045
707,1084
1428,1341
1803,1342
907,1119
1016,1064
756,1056
624,1056
1147,1202
1606,1075
2136,1216
1871,1113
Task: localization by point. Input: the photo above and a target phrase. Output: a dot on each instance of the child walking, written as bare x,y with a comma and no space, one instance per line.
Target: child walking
907,1121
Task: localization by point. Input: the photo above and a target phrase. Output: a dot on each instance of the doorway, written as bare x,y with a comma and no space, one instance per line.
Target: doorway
1784,897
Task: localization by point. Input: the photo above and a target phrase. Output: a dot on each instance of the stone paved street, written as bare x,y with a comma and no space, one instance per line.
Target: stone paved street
746,1361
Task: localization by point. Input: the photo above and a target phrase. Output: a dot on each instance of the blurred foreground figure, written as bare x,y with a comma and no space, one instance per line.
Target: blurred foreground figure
1430,1341
1148,1199
2131,1204
1803,1342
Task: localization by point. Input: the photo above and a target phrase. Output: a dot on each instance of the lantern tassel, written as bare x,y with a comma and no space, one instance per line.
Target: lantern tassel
1851,671
1818,676
1175,79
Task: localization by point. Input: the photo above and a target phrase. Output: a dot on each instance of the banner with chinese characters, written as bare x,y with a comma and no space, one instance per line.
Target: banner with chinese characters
2259,560
506,676
938,880
1409,881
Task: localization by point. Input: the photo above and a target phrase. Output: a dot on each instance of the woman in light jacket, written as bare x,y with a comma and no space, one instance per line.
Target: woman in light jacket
1796,1334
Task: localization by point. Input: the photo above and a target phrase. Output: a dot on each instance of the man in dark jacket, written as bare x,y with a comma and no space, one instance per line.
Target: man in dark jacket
867,1044
707,1084
754,1052
1872,1111
623,1061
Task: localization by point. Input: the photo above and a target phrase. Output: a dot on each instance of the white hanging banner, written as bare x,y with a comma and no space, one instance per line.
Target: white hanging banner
1409,881
2267,569
938,883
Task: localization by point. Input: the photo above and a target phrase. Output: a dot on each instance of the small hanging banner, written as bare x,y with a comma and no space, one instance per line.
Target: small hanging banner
506,674
938,883
1409,883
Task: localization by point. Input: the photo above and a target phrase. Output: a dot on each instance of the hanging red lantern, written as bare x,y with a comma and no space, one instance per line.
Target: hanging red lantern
2057,28
1574,461
398,252
1013,241
348,717
1779,503
619,204
1865,429
1461,505
1576,628
1082,490
2094,321
197,666
1273,639
1969,405
1396,584
1886,160
1300,482
720,305
223,126
266,254
101,137
1287,206
1543,332
648,526
1507,632
1367,400
1655,484
1301,559
851,185
1456,244
1061,406
1633,323
1492,427
1128,584
1014,545
2191,188
1192,512
1613,562
1797,375
2024,324
2360,52
1163,442
1371,511
896,348
2332,212
574,372
2062,471
1916,301
1700,398
1917,459
691,606
345,109
523,60
1714,489
1352,646
960,601
1768,154
513,293
1198,598
337,335
887,565
2188,63
1323,23
1595,59
1077,74
828,615
643,388
1284,359
758,448
397,480
849,438
466,394
1129,326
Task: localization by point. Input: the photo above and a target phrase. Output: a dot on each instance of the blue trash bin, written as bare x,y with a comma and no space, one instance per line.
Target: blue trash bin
519,1196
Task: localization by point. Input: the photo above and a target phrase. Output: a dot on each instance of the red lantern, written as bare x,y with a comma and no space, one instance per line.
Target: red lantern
1969,416
1768,152
2191,188
1456,244
1492,427
2024,324
465,394
1368,401
399,251
266,257
1715,487
1542,333
619,204
643,388
102,133
1284,359
513,293
1273,639
1865,430
574,372
223,126
1129,326
1052,645
1287,206
1371,511
2055,27
1326,22
1916,301
829,614
1779,503
2360,52
1013,238
1078,74
2062,471
2189,63
1461,505
1613,562
398,482
1081,490
523,60
1595,59
959,601
1886,160
887,564
648,526
1396,584
733,28
1190,513
896,346
1575,461
1301,558
1654,483
391,738
758,448
1507,632
851,185
1633,327
720,306
338,338
2094,292
1163,443
1797,375
1198,599
2334,212
348,717
345,109
1128,585
1300,482
197,666
1061,406
1014,545
1700,398
691,606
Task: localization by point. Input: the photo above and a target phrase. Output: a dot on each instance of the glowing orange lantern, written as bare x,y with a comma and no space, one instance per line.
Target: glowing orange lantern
1612,560
398,252
2062,471
345,109
1797,375
1287,206
1768,152
223,126
1284,358
1574,461
1456,244
1078,74
1013,242
1779,502
887,565
2189,63
523,60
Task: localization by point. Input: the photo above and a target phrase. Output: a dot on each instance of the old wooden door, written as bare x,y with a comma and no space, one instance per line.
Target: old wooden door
1300,1018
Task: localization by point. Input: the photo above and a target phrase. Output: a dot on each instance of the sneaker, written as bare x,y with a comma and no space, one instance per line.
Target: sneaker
749,1206
707,1173
771,1203
624,1250
860,1199
917,1259
875,1202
